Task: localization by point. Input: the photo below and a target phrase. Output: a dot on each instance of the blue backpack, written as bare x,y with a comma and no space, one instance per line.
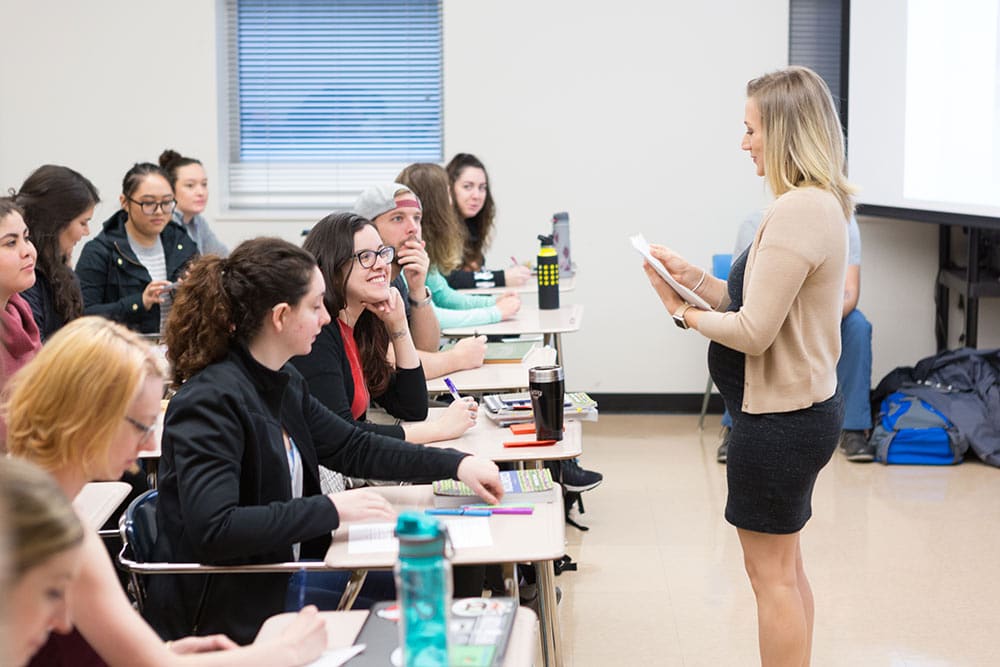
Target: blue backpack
911,431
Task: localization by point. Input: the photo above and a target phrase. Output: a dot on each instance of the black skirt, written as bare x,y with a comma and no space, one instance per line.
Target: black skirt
773,458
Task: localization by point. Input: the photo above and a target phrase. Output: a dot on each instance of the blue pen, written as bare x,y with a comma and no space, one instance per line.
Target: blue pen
452,388
459,512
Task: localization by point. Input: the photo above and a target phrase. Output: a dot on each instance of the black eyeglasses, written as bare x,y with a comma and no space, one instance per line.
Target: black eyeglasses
366,258
150,207
142,428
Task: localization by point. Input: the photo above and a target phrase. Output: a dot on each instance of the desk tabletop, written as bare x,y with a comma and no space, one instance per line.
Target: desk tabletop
342,628
566,284
486,438
539,536
495,377
529,320
98,500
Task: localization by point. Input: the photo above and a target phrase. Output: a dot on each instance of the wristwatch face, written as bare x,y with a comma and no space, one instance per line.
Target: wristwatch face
679,317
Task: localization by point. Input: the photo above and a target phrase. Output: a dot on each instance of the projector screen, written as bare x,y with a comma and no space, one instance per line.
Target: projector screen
924,104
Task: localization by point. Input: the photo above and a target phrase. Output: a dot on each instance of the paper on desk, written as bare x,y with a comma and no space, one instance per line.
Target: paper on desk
465,533
335,657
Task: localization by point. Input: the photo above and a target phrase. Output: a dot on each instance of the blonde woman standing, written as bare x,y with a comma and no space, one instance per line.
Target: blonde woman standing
775,334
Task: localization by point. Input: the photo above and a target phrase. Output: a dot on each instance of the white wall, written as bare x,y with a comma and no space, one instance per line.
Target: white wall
628,116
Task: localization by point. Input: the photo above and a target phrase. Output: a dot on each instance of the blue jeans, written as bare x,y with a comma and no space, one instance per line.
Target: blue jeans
854,372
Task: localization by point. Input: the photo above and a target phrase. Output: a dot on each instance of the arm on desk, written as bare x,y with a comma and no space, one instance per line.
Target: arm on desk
467,353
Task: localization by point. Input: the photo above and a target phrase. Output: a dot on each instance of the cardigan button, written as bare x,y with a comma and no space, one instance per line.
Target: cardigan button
135,306
119,261
180,247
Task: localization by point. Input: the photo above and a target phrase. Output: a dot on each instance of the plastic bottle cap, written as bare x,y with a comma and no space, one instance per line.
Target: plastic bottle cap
419,535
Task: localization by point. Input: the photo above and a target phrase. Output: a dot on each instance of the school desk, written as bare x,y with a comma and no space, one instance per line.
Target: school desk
528,291
342,628
530,320
538,538
495,378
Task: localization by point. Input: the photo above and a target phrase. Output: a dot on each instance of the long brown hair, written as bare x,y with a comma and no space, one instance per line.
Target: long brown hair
474,249
441,229
331,242
225,301
51,197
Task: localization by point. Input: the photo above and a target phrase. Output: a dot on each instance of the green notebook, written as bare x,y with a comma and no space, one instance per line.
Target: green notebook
512,352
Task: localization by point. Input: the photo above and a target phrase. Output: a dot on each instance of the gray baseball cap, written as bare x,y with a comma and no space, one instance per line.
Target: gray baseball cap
379,199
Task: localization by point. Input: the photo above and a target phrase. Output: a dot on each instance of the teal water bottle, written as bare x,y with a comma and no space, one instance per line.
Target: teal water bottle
423,584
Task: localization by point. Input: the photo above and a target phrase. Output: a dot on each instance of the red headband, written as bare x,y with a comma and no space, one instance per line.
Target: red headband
408,203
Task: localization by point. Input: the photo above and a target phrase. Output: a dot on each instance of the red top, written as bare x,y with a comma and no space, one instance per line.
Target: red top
359,403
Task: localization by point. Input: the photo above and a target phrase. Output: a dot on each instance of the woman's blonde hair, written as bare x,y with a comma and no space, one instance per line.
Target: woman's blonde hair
40,519
441,228
803,139
64,407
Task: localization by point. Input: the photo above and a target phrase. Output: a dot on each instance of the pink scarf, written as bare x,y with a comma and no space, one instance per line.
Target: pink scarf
19,335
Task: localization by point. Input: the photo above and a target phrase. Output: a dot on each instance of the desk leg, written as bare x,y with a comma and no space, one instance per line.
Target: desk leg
941,300
971,280
352,589
548,614
554,340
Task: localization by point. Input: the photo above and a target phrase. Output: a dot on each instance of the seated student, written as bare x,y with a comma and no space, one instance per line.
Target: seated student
18,332
58,204
442,233
53,423
126,272
395,211
44,537
348,364
190,184
243,439
854,369
474,205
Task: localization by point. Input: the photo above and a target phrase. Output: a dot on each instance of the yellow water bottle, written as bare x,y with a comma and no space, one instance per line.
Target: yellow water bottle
548,275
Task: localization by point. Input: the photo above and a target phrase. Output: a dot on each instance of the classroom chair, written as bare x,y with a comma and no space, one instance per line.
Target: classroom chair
720,269
138,531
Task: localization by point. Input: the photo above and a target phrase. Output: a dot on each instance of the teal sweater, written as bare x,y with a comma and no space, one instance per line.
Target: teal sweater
454,309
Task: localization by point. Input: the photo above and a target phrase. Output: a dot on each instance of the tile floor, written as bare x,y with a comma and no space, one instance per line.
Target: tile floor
904,561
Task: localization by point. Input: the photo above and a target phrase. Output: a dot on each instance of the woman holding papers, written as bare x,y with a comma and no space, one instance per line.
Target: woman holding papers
243,439
775,333
347,363
76,440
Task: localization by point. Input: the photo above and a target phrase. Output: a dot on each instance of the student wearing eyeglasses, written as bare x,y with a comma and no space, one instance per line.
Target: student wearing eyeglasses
347,366
127,272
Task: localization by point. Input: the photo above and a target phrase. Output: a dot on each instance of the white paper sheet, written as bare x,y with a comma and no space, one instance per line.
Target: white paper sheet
335,657
465,533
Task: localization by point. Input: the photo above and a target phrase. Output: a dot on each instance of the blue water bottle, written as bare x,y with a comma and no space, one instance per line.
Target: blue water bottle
423,584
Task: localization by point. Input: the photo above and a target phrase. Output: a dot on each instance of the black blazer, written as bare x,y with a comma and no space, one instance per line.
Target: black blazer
328,372
225,491
112,278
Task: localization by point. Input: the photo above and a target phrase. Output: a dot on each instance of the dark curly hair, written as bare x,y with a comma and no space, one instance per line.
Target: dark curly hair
482,223
225,301
51,197
331,242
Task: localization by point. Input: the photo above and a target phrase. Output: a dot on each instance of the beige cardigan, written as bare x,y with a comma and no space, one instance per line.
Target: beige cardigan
793,293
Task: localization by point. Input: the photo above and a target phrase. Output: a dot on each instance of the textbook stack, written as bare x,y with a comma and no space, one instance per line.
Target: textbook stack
507,409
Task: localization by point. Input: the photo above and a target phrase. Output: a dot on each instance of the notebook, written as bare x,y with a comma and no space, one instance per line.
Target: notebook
642,247
529,485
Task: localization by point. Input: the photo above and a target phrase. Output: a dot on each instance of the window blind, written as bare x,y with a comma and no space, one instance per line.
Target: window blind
327,97
817,38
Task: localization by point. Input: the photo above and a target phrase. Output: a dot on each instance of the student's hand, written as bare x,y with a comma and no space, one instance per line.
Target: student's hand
414,261
517,275
360,505
305,636
508,304
470,352
205,644
391,311
153,294
482,476
458,418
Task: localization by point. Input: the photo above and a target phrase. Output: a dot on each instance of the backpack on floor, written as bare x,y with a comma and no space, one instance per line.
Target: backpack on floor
910,431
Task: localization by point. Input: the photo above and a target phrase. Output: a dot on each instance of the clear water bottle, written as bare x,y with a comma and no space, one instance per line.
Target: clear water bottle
423,584
548,275
560,239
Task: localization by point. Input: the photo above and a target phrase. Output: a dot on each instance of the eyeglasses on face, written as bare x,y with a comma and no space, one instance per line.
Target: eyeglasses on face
366,258
150,207
146,431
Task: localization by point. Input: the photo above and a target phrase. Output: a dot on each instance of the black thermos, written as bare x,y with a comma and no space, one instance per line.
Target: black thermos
548,275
